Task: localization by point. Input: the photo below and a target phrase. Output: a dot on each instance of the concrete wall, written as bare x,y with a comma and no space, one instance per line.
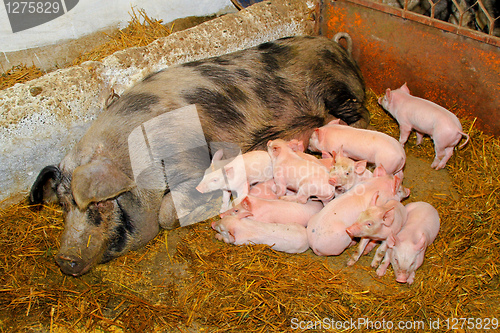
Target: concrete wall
83,26
42,119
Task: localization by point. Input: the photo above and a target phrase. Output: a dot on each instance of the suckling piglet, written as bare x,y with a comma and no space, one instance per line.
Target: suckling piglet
290,238
407,249
236,175
425,117
359,144
275,211
290,171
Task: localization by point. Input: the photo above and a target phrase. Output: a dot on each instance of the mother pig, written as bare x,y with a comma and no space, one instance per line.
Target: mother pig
281,89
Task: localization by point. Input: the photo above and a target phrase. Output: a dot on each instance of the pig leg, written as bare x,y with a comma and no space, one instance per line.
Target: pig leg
299,197
420,137
370,246
167,217
404,133
385,263
411,278
440,153
379,254
226,201
359,251
444,160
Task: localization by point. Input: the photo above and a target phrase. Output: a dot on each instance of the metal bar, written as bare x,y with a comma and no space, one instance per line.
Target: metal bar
457,72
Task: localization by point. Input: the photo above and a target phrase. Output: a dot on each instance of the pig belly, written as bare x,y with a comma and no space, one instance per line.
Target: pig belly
289,238
328,240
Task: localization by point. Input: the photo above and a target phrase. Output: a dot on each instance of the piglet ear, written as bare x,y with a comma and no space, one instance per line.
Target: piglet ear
398,180
97,181
421,244
373,201
334,155
388,217
388,94
218,155
229,172
341,151
325,154
335,121
360,167
300,145
379,172
246,204
405,88
320,133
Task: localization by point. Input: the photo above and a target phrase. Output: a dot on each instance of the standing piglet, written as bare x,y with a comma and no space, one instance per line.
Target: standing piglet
237,175
326,231
425,117
407,248
359,144
377,223
275,211
290,238
308,178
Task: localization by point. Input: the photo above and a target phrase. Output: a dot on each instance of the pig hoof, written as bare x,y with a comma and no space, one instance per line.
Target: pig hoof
351,262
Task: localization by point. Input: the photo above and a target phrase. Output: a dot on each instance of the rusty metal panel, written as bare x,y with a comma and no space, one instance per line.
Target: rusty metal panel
455,71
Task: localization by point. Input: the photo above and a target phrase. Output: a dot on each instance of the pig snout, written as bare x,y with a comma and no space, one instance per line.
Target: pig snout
402,277
72,265
352,231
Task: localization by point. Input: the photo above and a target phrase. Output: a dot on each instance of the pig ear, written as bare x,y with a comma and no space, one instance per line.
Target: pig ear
421,244
373,201
388,217
341,151
246,203
404,87
388,94
45,185
391,241
360,167
97,181
320,133
398,180
334,155
229,172
325,154
300,145
335,121
379,172
218,155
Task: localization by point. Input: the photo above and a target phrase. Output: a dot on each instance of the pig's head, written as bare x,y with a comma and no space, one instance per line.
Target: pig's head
225,229
405,257
100,210
212,181
345,170
241,210
372,220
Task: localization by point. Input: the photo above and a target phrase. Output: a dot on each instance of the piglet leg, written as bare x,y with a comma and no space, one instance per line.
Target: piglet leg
359,251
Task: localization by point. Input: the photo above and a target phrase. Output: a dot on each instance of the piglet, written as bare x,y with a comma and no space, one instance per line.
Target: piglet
359,144
326,230
264,190
377,223
308,178
345,172
237,175
290,238
275,211
407,248
425,117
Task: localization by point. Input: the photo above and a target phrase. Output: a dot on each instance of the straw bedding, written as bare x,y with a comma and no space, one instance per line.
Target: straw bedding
186,281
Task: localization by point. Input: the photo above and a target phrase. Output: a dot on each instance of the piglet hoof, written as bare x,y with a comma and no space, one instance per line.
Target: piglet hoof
351,262
380,271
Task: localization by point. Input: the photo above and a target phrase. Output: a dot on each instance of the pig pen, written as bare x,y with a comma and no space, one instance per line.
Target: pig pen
185,280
